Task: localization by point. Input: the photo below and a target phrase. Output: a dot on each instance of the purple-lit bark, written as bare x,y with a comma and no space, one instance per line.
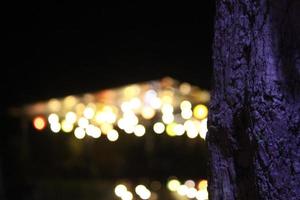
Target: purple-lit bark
254,121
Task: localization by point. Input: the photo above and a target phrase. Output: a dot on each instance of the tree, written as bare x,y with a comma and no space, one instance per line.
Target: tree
254,122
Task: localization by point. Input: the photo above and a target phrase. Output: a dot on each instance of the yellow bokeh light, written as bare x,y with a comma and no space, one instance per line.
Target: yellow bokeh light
204,96
113,135
66,126
106,127
131,91
79,133
79,108
54,105
39,123
202,185
185,88
171,129
139,130
70,101
159,127
200,111
173,185
148,112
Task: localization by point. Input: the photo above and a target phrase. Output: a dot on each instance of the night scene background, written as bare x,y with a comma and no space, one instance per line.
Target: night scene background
56,49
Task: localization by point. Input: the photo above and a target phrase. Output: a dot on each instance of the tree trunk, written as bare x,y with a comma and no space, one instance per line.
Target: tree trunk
254,122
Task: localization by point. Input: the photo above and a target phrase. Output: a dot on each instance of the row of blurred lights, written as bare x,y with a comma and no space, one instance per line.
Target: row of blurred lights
162,108
188,189
141,191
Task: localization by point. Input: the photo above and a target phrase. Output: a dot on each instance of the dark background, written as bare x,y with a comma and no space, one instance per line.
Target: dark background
57,48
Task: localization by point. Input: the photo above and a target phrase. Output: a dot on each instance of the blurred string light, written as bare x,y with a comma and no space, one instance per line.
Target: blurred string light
189,189
162,107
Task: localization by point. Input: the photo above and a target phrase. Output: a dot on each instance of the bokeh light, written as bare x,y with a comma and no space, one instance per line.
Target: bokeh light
39,123
159,127
113,135
200,111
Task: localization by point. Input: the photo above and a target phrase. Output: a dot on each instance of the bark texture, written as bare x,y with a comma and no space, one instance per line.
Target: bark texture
254,121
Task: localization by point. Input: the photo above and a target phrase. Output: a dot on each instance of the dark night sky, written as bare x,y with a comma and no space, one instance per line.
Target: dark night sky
60,48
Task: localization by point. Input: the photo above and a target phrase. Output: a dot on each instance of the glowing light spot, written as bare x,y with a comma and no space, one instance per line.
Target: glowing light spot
71,117
130,119
191,193
185,88
125,107
167,109
131,91
70,101
186,114
168,118
55,127
113,135
88,113
200,111
173,185
149,96
203,128
191,129
204,96
135,103
159,127
105,128
127,196
93,131
139,130
54,105
129,129
79,133
143,192
53,118
83,122
148,112
179,129
120,190
185,105
171,129
202,195
189,183
182,190
66,126
155,103
202,185
39,123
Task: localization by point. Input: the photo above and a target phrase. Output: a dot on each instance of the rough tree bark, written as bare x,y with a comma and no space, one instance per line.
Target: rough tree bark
254,121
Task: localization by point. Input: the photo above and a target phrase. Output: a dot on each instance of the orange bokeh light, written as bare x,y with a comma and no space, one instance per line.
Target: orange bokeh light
39,123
